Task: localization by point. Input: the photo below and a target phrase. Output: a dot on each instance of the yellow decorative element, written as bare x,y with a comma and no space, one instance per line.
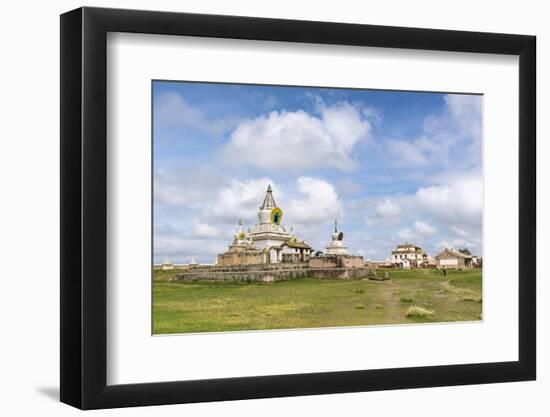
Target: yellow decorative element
276,215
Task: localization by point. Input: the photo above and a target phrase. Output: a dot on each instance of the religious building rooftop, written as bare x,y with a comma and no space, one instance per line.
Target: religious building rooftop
269,201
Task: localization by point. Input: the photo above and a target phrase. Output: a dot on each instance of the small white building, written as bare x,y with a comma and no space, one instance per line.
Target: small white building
294,250
408,255
451,258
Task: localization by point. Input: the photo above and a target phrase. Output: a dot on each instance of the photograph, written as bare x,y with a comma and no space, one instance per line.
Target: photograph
259,206
303,207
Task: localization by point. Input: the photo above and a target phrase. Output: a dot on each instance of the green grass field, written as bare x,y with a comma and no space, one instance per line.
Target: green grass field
410,296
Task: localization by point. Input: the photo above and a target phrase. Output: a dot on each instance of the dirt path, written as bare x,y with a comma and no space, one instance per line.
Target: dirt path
391,294
455,290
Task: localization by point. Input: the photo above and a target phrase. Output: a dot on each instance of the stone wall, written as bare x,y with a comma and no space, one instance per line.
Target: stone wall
336,261
270,273
352,262
323,262
341,273
241,258
158,267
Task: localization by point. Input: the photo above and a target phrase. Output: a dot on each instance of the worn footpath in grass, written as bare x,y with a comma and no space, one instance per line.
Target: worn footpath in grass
182,307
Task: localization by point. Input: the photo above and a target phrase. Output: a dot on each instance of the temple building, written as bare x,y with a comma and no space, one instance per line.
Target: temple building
242,251
268,242
295,250
269,252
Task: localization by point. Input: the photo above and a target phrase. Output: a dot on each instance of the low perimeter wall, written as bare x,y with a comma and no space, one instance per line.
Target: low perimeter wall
249,274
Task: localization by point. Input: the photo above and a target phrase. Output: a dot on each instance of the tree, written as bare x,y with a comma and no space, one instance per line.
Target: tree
465,251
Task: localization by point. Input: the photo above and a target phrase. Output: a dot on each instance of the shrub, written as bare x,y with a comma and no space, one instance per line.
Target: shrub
406,299
360,307
416,311
360,291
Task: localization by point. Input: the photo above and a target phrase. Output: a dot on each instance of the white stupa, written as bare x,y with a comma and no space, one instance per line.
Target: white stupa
337,246
269,231
241,240
167,265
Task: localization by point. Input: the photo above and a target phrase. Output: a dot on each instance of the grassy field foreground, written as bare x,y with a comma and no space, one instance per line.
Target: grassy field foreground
410,296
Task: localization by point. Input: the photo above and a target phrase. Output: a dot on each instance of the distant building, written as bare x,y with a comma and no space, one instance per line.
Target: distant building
451,258
477,261
408,255
167,265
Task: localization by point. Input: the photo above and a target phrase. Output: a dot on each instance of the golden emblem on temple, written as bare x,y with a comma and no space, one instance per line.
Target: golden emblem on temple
276,215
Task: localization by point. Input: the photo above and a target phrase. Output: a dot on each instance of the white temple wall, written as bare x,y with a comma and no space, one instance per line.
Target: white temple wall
266,243
274,256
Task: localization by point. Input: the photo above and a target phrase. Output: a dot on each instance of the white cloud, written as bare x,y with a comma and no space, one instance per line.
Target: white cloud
387,208
442,215
457,131
182,249
309,204
186,186
460,232
459,202
298,140
346,186
465,111
403,153
203,230
424,229
317,204
372,114
204,205
418,231
458,244
240,199
406,234
170,195
171,109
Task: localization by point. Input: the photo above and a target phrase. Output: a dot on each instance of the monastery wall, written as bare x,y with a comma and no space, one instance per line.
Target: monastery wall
336,261
323,262
353,262
341,273
271,273
241,258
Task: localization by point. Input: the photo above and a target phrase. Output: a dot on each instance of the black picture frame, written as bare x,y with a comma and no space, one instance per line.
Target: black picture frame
84,207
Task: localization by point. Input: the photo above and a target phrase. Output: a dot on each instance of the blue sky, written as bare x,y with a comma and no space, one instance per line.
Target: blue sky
391,166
